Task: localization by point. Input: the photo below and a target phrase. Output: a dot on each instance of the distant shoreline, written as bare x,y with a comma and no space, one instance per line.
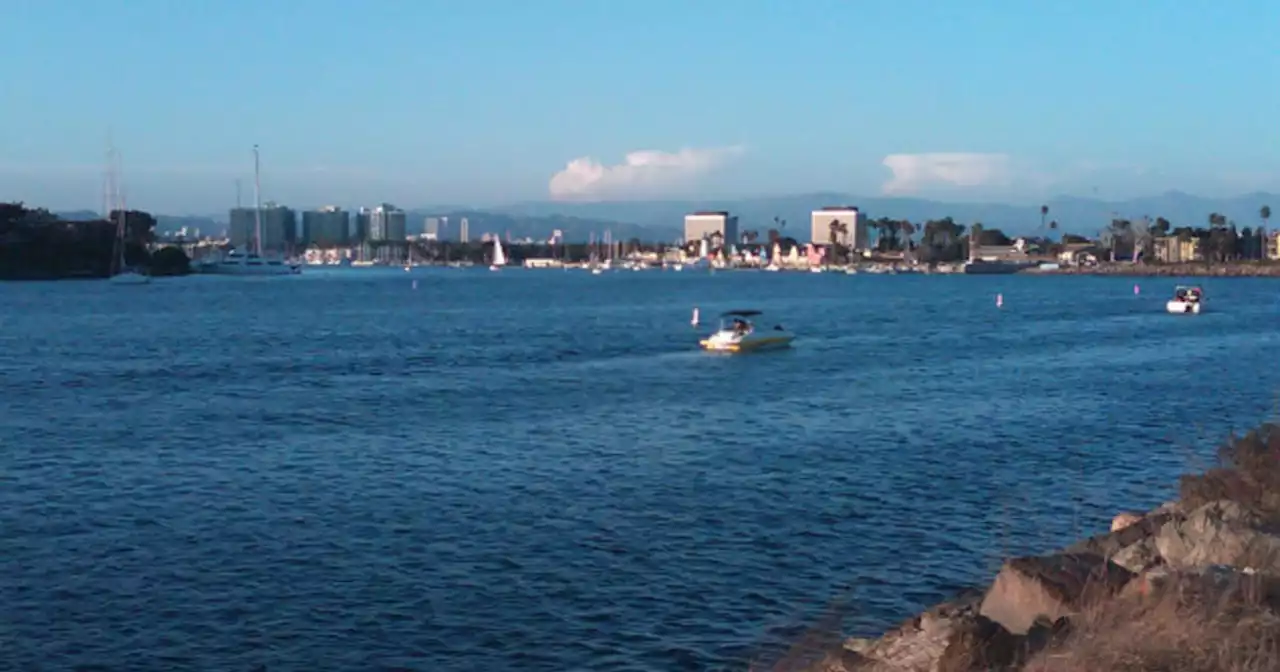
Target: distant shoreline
1245,269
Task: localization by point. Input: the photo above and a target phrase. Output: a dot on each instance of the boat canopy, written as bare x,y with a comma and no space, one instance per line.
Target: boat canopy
740,313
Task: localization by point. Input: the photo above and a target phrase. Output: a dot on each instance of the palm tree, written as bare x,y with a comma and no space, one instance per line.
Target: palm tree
1265,213
838,230
975,240
1044,212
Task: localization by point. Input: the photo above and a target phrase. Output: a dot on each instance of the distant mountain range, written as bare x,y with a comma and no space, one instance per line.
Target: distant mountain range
664,220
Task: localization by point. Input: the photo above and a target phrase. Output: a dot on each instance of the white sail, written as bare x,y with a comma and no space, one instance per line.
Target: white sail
499,257
703,249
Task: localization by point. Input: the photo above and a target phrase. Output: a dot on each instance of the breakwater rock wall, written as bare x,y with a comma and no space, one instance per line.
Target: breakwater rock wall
1193,585
1243,269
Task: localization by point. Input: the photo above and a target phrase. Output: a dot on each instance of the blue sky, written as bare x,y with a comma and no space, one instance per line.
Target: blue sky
482,101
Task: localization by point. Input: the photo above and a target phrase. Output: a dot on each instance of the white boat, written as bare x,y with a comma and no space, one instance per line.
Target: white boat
737,334
235,262
253,262
1186,300
499,257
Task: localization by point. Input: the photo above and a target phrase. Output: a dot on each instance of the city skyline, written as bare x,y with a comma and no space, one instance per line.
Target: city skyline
574,101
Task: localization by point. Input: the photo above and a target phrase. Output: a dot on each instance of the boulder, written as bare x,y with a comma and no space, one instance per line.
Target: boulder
1139,557
1113,542
1051,587
1219,533
950,637
979,645
847,661
1125,519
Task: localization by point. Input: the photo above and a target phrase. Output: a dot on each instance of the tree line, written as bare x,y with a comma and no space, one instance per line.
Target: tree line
35,244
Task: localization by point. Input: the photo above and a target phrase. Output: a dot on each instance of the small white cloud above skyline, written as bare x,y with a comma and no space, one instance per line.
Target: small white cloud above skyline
642,173
915,174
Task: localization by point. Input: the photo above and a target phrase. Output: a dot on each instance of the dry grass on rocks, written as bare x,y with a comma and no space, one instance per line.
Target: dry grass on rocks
1191,587
1195,625
1249,475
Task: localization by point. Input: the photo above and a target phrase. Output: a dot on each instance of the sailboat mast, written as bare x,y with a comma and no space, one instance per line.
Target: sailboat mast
257,203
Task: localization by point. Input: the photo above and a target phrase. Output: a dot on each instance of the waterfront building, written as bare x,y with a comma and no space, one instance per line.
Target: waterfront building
855,235
326,227
385,223
279,228
708,223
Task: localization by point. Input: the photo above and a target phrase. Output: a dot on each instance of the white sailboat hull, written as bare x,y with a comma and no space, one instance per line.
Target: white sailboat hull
130,278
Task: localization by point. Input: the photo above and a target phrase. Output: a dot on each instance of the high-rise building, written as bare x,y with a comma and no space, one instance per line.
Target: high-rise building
853,235
359,231
464,230
327,227
431,229
705,224
279,228
385,223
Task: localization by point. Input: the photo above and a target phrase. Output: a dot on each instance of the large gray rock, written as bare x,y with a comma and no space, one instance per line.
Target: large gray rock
950,637
1219,533
1052,587
1107,545
1139,557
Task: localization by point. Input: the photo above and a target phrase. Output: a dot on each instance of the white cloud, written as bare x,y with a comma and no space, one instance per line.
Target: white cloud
643,172
913,173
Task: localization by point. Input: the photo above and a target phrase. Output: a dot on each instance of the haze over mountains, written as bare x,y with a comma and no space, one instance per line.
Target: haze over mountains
663,219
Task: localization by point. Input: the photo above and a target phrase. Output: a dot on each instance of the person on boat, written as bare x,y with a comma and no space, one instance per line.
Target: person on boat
739,326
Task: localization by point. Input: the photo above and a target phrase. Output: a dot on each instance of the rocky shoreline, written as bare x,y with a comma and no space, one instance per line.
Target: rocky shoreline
1193,586
1243,269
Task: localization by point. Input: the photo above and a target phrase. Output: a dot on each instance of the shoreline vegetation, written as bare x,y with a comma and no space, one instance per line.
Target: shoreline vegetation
36,245
1191,586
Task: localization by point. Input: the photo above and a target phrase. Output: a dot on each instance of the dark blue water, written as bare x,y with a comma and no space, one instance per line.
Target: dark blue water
535,470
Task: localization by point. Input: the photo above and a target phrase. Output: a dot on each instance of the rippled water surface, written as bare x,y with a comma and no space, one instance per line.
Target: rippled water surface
536,470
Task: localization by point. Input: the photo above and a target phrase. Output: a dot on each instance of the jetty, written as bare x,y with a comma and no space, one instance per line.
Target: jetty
1192,585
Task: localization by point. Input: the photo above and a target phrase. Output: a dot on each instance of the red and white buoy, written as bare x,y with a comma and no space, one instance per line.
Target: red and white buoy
1136,291
694,321
999,300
